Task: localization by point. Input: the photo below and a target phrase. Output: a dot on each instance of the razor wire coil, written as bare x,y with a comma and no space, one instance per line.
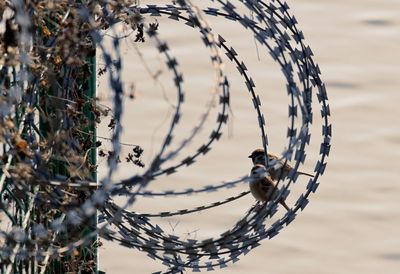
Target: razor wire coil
274,28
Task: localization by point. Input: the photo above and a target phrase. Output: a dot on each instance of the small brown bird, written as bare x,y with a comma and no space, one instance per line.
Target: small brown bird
279,170
263,187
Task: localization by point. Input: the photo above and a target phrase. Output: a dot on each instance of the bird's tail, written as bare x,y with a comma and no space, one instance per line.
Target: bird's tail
282,202
305,173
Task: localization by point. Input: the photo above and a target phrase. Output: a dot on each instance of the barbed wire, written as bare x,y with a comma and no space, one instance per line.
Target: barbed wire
33,61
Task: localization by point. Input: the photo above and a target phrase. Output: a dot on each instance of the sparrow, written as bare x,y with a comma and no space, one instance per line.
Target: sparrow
262,186
279,170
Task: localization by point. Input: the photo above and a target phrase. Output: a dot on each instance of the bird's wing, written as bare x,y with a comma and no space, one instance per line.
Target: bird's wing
268,187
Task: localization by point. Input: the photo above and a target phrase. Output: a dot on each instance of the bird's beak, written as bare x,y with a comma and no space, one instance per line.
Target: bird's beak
250,156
